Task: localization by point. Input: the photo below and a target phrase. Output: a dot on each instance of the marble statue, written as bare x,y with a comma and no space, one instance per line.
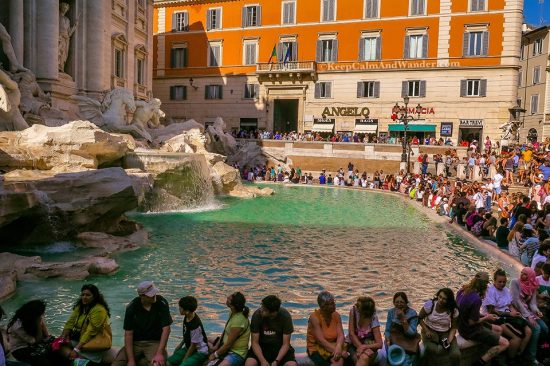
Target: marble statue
148,114
510,130
10,96
65,33
110,115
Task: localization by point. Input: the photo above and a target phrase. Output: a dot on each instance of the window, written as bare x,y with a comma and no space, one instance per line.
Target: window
473,88
371,9
289,12
522,52
180,21
534,103
214,54
476,43
368,89
119,63
178,92
416,46
251,91
287,51
250,53
536,75
214,19
252,16
328,10
213,92
477,5
418,7
327,50
369,48
178,57
520,78
140,71
323,90
537,47
413,88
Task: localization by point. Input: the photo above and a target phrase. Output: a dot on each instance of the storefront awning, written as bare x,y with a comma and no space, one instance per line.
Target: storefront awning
370,128
323,127
412,128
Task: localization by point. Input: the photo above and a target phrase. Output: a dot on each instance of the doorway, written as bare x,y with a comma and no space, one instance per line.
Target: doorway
285,115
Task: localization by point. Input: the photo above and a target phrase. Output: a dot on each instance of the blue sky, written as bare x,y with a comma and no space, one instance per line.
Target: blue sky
532,12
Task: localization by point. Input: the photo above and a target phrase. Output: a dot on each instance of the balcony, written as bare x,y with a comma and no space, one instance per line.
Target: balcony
290,71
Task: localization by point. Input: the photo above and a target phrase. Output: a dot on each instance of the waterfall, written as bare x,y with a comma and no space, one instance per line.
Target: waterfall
182,181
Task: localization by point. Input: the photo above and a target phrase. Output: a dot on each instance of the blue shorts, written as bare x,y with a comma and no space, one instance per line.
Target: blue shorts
497,190
234,359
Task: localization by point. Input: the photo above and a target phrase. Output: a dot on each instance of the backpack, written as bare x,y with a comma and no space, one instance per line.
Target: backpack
478,226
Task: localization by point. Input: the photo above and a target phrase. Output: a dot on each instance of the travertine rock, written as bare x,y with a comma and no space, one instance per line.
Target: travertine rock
75,146
164,133
8,283
109,244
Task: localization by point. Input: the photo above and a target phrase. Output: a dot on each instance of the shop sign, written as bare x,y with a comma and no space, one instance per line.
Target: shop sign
346,112
366,121
446,129
471,122
323,120
424,110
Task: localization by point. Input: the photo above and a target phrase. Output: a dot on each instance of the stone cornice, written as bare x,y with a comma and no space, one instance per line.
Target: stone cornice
170,3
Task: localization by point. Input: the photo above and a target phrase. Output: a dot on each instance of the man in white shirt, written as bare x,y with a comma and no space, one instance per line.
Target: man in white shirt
479,198
497,180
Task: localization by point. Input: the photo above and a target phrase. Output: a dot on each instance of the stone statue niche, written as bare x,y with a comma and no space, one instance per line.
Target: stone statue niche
66,31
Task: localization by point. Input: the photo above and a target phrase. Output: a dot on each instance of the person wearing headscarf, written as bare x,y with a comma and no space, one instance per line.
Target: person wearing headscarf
524,298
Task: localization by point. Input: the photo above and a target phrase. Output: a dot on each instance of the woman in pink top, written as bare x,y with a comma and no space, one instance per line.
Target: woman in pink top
364,332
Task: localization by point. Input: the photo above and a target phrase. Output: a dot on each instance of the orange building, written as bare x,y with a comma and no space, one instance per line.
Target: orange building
340,65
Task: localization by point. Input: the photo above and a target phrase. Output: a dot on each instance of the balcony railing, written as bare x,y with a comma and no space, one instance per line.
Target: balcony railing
284,67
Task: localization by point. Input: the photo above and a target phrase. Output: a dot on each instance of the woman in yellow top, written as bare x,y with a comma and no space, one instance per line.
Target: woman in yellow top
325,335
88,329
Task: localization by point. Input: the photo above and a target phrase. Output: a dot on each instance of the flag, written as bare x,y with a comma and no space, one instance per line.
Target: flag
273,54
288,53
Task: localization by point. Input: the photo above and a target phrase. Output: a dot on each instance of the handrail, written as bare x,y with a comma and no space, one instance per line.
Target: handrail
290,66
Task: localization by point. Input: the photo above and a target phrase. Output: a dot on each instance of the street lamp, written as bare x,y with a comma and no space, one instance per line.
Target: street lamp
401,113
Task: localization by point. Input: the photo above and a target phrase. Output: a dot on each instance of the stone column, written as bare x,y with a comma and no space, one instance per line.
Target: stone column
95,47
47,39
17,29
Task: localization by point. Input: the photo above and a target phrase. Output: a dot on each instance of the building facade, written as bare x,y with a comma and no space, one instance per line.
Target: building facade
340,66
533,91
110,46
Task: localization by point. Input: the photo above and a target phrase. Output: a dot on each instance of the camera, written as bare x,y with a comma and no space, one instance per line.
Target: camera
445,343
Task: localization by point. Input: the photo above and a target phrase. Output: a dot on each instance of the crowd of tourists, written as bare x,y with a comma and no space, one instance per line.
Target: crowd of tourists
509,323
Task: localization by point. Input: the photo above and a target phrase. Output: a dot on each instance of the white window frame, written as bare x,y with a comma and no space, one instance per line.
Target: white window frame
411,13
323,90
473,87
257,7
536,75
370,84
323,10
211,45
185,26
411,86
323,51
534,106
184,94
373,52
218,94
208,12
122,52
472,45
293,2
377,15
419,46
246,43
281,48
470,6
255,89
537,46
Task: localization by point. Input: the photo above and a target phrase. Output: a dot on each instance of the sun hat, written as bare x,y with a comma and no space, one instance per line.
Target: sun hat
147,288
396,355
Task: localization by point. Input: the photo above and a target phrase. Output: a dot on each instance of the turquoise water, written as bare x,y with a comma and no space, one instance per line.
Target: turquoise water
293,244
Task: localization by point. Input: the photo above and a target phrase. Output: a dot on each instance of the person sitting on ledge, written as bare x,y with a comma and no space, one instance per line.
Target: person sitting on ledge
401,324
271,328
325,335
438,320
475,328
365,338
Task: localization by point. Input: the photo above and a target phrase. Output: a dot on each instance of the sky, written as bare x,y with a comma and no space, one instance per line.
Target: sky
532,12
